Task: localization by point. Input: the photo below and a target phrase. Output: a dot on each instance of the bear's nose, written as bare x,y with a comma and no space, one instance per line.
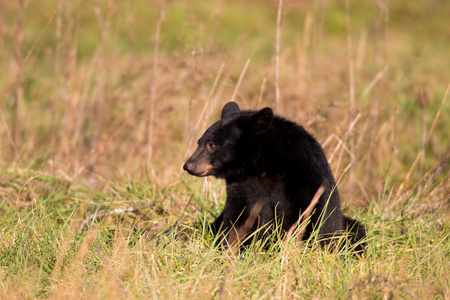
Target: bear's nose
186,167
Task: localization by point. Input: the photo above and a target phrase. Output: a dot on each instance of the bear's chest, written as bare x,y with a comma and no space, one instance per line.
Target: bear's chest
270,192
263,188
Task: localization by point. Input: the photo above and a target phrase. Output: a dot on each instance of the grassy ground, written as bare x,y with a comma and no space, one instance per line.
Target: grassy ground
101,102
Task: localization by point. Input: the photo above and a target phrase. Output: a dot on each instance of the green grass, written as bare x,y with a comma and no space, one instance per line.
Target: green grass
79,145
165,251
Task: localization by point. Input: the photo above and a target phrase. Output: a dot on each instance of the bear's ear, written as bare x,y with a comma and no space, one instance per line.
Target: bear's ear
229,108
262,119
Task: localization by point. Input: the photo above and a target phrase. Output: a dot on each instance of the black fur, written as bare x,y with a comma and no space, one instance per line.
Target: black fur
268,159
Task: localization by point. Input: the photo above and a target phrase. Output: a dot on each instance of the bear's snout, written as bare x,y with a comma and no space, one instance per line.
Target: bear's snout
187,167
197,167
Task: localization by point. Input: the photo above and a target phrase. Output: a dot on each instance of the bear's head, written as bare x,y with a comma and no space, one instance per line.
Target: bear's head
229,147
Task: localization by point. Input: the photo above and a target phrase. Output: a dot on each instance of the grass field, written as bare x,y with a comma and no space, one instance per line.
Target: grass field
102,102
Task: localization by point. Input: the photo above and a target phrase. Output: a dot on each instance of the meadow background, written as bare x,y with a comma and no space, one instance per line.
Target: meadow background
102,102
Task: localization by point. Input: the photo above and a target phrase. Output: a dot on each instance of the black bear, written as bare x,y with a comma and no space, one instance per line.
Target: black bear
273,168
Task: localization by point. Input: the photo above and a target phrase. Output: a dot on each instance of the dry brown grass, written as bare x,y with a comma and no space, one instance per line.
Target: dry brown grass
103,113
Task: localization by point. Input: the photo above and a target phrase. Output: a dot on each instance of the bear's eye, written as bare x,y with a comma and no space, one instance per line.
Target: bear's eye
211,147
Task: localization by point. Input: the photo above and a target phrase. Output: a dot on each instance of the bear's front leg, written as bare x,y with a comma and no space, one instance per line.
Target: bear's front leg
215,225
226,227
236,227
220,231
